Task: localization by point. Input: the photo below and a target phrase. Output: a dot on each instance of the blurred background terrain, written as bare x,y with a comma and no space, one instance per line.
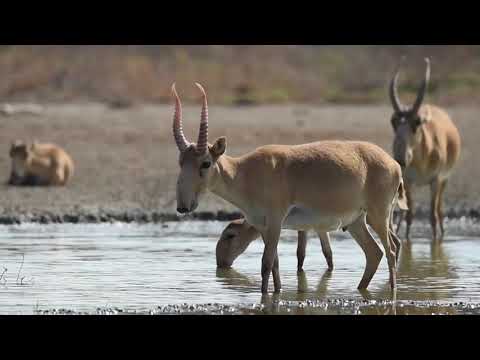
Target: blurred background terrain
234,74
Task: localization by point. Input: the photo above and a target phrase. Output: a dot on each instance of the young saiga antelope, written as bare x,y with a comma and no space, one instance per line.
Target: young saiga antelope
239,234
427,146
332,184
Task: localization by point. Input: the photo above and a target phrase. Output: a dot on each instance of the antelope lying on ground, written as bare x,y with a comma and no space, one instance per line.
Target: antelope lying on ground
427,146
332,184
239,234
39,165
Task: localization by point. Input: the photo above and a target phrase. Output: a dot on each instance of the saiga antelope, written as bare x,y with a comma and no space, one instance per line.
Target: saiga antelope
239,234
427,146
332,184
39,165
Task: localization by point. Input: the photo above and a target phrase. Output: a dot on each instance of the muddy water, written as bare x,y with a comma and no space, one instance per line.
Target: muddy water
171,268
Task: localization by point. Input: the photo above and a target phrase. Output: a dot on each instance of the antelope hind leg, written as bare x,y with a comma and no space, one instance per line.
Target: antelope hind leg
381,227
373,253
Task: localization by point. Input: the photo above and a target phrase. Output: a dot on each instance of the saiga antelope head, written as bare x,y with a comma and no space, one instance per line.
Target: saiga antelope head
407,120
197,161
19,153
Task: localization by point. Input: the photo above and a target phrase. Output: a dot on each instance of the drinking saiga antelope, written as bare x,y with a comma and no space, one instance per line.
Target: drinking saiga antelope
39,165
239,234
427,146
332,184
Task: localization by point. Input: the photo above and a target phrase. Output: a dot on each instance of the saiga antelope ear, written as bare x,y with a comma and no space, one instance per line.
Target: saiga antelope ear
219,148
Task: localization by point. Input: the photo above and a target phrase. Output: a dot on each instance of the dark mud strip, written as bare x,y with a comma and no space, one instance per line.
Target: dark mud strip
330,307
145,216
134,216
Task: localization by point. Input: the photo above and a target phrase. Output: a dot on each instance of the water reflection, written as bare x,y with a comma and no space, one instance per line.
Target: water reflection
317,301
235,280
422,275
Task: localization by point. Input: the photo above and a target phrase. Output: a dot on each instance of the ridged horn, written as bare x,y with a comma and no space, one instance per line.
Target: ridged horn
178,134
202,142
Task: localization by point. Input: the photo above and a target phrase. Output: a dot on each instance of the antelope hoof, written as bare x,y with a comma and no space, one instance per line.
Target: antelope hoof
330,265
362,286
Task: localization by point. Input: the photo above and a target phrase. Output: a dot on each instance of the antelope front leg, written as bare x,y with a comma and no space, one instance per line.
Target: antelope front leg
401,217
301,249
270,258
327,251
435,188
410,211
443,185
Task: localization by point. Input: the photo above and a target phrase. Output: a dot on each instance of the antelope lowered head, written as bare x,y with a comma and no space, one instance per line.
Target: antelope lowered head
407,120
196,161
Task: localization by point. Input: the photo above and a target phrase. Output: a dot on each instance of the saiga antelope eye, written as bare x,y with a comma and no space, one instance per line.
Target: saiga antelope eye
229,237
206,165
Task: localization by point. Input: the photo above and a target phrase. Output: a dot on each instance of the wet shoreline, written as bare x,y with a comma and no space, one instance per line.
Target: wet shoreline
148,217
308,307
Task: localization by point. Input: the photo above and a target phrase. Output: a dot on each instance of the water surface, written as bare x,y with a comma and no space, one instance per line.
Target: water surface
144,267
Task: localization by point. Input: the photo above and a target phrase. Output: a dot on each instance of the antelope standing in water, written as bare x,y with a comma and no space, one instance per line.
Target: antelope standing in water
427,146
239,234
332,184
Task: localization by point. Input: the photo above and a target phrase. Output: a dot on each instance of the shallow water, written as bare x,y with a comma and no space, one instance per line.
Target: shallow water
144,267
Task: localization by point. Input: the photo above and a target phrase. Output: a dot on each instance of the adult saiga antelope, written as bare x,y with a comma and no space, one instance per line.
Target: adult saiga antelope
332,184
39,165
427,146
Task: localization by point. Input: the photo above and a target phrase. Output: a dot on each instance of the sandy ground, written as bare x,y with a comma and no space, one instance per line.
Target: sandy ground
126,160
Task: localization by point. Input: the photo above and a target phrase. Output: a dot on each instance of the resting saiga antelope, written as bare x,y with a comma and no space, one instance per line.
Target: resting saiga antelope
39,165
331,184
427,146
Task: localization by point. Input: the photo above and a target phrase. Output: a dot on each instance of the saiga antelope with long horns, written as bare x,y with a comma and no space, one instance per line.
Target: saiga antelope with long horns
427,146
332,184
